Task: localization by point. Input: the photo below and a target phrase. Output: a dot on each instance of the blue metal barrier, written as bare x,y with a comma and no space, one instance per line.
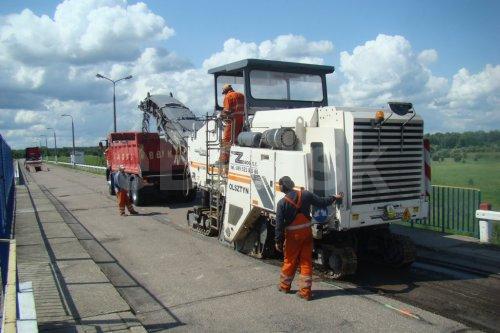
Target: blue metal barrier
7,190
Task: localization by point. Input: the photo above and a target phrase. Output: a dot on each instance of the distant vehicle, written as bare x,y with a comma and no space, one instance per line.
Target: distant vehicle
154,166
33,159
33,154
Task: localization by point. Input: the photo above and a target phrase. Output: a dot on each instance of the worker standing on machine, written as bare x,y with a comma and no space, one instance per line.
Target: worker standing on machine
294,235
122,184
233,117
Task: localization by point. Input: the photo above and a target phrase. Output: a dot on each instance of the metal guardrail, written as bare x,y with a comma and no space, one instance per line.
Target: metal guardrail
81,166
7,243
486,220
453,210
6,189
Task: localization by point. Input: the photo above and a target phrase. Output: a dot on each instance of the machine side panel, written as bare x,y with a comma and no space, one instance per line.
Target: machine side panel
197,152
263,180
294,165
237,207
326,177
342,178
284,118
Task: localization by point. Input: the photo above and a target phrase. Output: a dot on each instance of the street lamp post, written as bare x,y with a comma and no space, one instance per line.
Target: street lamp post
55,141
99,76
46,145
73,135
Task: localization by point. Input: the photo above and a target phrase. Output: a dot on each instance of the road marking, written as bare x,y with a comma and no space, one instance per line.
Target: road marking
403,311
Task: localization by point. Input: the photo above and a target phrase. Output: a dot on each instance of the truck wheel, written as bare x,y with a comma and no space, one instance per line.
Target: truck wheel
111,189
111,185
343,262
190,195
137,197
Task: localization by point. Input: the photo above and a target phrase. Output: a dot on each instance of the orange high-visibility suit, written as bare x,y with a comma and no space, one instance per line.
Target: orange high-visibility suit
294,220
124,201
234,108
120,182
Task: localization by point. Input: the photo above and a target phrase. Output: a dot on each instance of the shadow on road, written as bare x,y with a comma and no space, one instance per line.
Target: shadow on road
135,294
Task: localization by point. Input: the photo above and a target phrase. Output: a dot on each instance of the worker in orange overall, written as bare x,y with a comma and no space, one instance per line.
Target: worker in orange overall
294,235
233,117
121,183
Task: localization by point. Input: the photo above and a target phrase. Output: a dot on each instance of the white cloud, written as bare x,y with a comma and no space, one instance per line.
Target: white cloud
475,89
81,31
295,48
48,67
157,60
427,57
473,101
383,69
285,47
27,117
232,50
388,68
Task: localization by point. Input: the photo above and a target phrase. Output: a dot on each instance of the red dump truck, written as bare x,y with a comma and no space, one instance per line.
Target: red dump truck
155,168
33,159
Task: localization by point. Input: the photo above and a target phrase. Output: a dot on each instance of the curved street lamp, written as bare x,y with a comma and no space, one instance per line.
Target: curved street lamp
72,134
99,76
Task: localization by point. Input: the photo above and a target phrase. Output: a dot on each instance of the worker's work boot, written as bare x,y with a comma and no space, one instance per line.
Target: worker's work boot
283,290
304,297
122,214
133,212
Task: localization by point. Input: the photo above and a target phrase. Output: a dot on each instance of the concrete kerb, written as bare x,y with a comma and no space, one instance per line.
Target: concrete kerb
463,251
74,270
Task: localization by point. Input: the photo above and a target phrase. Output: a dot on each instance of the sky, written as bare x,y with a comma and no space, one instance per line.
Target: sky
444,56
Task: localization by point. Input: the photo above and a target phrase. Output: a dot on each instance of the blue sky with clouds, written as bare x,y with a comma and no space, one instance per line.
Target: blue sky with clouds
443,55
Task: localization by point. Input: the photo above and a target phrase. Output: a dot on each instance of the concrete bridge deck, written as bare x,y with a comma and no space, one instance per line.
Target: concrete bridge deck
151,271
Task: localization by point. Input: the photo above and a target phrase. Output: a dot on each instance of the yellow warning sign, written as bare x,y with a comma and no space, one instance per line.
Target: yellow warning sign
406,215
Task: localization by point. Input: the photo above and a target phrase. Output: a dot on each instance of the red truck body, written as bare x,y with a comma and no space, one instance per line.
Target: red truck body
142,154
33,160
33,154
154,167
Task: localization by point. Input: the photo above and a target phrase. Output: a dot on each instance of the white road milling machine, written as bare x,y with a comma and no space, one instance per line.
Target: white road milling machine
373,155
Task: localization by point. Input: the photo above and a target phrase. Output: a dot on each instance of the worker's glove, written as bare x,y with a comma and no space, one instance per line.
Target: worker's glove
279,246
339,197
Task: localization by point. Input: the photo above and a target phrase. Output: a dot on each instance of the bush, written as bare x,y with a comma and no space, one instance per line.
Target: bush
457,155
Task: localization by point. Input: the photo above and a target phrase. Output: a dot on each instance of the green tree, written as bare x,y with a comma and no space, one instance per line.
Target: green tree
457,154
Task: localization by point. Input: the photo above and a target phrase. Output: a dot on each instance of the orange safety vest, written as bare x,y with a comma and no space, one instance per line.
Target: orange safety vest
300,221
234,104
234,107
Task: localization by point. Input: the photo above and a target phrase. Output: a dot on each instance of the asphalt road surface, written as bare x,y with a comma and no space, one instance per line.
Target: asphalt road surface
174,278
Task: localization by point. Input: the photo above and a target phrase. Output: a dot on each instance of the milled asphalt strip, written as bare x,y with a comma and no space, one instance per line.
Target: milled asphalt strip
119,272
